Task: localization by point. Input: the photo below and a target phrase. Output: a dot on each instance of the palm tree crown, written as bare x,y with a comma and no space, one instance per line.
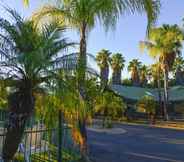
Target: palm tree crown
117,63
164,43
106,11
30,62
134,68
103,58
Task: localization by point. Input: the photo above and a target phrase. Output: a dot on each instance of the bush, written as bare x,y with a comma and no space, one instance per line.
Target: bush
148,105
19,157
127,82
110,107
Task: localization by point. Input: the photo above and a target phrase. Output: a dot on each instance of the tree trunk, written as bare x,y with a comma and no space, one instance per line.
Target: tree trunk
135,78
83,131
159,94
82,60
104,76
166,97
116,77
21,106
81,75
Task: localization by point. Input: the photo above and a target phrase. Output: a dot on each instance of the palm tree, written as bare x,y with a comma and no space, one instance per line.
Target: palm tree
134,67
144,71
178,69
103,59
117,64
83,15
28,58
165,44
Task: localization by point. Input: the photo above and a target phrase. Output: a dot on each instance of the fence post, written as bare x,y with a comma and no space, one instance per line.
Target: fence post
60,136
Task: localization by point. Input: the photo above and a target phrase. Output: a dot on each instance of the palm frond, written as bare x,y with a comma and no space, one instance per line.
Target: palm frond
26,2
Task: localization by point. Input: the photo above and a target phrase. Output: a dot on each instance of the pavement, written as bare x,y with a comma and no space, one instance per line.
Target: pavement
135,143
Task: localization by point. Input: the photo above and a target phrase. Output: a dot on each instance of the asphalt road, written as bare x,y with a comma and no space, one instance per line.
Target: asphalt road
137,144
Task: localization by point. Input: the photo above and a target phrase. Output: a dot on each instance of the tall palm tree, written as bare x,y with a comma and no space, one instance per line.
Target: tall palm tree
83,15
144,75
117,64
134,67
178,70
164,43
103,60
28,58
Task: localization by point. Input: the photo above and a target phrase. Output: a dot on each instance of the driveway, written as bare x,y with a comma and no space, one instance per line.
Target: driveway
136,144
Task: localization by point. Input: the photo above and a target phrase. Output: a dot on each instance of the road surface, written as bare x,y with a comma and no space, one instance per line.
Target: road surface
136,144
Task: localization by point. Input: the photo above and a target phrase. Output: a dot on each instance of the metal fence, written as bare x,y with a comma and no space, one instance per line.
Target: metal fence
40,144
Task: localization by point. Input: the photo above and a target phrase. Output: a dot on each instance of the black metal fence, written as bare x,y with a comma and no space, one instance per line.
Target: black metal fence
40,144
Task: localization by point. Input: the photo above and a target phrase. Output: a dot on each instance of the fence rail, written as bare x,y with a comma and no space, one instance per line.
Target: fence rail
40,144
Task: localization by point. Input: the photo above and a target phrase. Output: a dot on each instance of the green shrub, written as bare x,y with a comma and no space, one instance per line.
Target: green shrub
110,107
148,105
19,157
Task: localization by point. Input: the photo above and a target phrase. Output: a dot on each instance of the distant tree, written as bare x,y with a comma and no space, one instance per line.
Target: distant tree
164,43
117,64
103,61
134,68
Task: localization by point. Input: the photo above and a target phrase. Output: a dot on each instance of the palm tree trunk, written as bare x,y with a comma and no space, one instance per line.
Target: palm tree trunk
166,97
82,59
136,78
104,77
116,77
159,94
81,75
119,77
21,106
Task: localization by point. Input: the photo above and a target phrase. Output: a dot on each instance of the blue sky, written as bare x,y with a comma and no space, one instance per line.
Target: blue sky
129,31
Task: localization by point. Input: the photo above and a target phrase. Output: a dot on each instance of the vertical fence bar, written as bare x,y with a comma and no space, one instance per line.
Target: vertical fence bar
60,132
